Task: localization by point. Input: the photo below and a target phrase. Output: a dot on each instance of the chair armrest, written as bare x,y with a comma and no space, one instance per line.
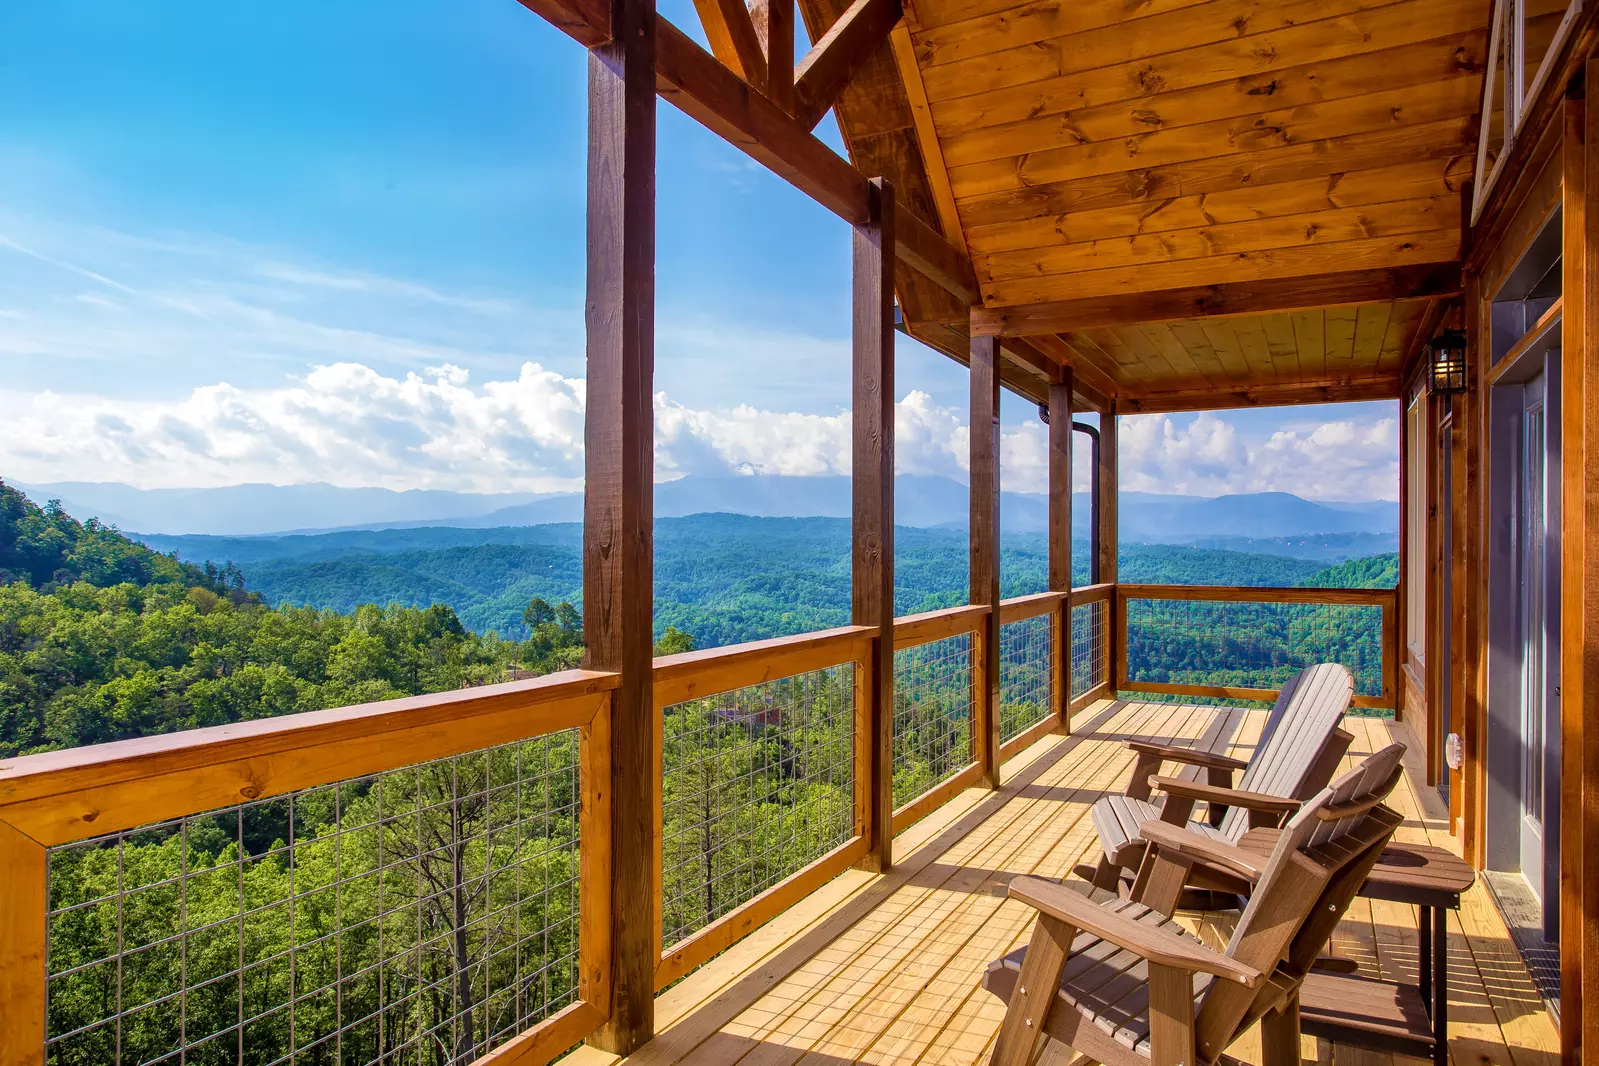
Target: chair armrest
1230,797
1197,847
1190,756
1149,942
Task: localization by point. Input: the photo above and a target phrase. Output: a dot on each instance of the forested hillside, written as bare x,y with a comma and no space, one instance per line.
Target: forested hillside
103,638
724,578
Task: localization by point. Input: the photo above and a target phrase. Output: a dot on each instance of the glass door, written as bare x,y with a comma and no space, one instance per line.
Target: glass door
1530,529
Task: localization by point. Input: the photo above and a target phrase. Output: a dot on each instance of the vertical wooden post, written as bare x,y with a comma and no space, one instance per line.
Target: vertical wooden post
618,497
1107,482
1060,539
872,600
1579,583
984,552
1397,647
23,903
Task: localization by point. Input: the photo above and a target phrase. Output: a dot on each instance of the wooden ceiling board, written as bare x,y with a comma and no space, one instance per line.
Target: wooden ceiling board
1371,328
1177,357
1317,227
1388,109
1310,339
1154,360
1420,180
1289,262
1279,331
1021,56
976,130
1251,334
1445,140
1338,326
1115,101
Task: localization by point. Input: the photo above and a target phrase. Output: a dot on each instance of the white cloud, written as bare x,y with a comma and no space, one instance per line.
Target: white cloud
1208,455
349,424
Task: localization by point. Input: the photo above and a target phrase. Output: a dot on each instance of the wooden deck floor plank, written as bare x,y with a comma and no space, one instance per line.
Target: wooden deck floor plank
944,925
975,1021
975,915
771,1020
887,970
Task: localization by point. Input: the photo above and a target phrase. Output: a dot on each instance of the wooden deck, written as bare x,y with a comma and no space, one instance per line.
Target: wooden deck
886,970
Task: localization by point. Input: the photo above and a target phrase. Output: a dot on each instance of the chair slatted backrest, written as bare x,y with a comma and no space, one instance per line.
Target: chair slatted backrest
1301,876
1301,723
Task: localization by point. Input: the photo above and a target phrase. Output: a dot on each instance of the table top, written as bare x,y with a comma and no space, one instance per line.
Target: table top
1406,873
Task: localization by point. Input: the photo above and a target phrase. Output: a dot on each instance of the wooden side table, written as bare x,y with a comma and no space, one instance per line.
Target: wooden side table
1381,1015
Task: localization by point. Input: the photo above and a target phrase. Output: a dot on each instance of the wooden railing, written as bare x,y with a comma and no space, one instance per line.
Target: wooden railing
793,708
55,801
1267,645
919,631
705,675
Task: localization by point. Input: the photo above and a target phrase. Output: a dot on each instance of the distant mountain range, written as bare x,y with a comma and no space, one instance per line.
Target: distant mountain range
920,501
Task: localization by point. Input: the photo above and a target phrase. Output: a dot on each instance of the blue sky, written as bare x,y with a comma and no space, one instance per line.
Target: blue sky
313,241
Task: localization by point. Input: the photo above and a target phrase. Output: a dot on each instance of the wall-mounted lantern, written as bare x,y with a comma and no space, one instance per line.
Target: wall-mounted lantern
1447,353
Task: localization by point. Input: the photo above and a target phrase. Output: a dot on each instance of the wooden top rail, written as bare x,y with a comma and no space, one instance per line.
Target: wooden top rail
696,674
915,629
1019,607
1092,593
60,796
1259,594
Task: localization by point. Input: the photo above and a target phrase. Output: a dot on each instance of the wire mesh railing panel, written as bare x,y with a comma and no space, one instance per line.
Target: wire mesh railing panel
1089,627
1026,673
932,714
423,915
758,783
1251,645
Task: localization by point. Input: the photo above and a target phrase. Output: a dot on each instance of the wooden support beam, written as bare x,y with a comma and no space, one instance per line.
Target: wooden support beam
1107,480
618,498
731,33
588,22
1060,538
872,481
1387,387
774,25
1107,543
984,553
1234,298
1579,584
921,246
705,90
833,61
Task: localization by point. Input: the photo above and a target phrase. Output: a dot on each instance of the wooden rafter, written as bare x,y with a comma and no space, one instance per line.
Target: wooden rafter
731,33
774,25
703,88
833,61
1240,298
943,194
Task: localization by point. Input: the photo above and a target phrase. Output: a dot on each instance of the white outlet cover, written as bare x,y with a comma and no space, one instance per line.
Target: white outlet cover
1454,751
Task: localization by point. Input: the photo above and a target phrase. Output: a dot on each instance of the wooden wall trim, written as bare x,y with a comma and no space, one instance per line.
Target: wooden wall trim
1579,585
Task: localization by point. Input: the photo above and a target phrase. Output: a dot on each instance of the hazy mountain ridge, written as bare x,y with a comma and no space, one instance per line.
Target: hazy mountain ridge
920,501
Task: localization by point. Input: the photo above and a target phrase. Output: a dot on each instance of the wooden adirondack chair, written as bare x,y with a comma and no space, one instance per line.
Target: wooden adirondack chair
1120,983
1299,749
